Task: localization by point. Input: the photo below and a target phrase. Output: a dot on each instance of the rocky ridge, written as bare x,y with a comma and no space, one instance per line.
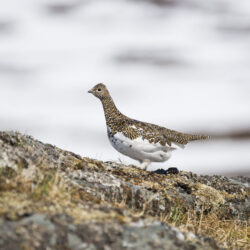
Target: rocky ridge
55,199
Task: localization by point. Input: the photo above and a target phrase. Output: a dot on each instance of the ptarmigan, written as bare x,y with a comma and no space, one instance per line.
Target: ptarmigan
141,141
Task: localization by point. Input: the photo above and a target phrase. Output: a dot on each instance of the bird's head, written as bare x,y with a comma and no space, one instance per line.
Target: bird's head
99,90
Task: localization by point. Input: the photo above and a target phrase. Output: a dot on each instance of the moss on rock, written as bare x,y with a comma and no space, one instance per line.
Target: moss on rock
55,197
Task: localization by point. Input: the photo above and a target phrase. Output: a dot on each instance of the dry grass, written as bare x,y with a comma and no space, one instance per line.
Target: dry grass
48,192
231,234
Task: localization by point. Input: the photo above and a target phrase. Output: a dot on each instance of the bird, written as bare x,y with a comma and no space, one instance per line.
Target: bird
141,141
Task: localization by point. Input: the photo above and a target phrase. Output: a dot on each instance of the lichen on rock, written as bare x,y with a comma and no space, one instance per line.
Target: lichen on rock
51,198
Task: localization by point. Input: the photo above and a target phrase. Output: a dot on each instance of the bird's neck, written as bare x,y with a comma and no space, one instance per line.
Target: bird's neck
110,110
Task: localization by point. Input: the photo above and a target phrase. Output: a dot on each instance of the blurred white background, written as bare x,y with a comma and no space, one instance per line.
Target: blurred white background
181,64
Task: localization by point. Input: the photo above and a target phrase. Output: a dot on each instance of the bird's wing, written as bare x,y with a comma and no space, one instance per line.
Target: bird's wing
157,134
168,137
147,131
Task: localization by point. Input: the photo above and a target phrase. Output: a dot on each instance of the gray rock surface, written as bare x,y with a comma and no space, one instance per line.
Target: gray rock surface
39,231
55,199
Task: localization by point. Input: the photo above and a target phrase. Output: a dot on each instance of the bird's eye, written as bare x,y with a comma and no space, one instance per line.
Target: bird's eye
99,90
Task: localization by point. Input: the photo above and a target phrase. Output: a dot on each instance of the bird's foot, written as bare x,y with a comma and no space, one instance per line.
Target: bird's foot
144,164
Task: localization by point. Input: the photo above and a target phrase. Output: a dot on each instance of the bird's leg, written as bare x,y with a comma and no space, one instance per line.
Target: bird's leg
144,164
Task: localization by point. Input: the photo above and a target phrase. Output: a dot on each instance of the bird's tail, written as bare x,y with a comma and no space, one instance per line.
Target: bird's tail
198,137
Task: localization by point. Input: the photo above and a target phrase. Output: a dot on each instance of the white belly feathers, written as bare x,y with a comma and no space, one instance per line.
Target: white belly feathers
140,149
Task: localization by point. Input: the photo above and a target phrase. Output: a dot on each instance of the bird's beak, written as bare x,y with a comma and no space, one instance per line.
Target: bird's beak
90,91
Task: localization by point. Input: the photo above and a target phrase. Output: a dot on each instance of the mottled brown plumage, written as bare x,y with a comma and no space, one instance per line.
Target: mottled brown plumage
126,131
121,123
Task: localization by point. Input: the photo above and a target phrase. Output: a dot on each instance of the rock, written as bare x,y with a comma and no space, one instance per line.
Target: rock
168,171
39,231
51,198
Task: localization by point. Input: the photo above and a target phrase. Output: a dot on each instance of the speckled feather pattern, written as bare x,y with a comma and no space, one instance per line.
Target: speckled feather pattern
139,140
133,129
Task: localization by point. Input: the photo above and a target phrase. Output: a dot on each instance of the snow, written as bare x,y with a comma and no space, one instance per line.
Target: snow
185,67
